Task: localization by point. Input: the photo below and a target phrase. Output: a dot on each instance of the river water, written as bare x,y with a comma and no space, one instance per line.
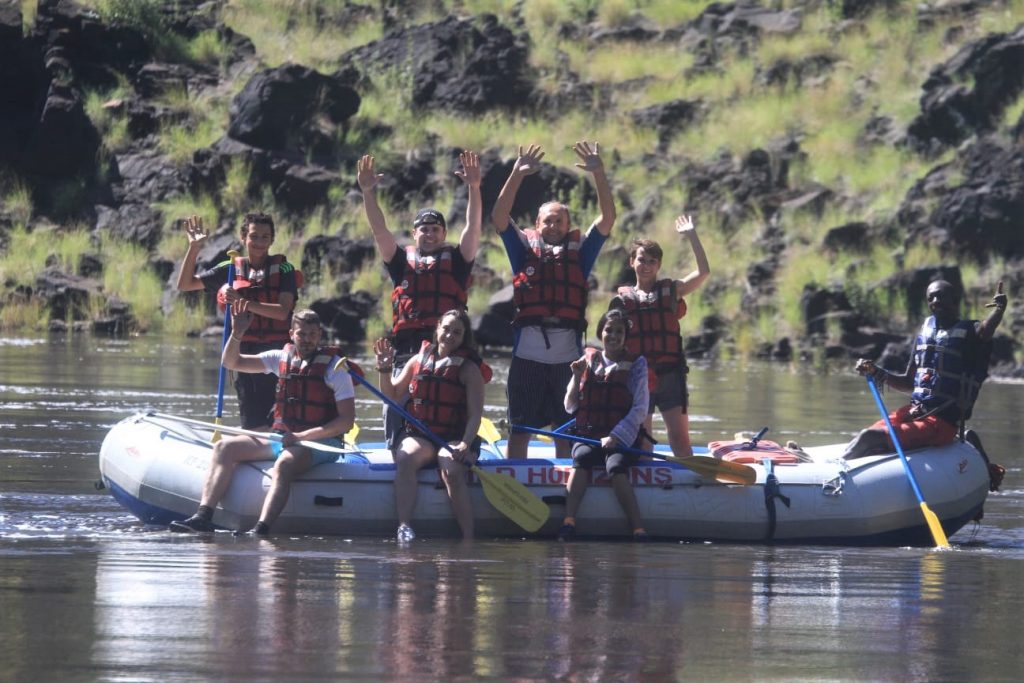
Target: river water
89,594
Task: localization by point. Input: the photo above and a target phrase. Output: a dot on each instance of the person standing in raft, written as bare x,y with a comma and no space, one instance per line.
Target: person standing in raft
608,394
267,285
654,308
429,276
445,386
315,402
947,365
551,263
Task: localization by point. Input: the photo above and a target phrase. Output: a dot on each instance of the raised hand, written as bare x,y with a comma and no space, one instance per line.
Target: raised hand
528,162
366,173
193,226
384,352
578,366
470,171
999,300
241,317
590,157
684,225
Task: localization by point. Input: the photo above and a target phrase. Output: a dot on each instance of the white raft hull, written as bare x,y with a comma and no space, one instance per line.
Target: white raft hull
155,467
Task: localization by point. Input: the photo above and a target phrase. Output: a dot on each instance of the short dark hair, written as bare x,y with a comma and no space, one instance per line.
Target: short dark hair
613,315
468,342
306,316
257,218
651,247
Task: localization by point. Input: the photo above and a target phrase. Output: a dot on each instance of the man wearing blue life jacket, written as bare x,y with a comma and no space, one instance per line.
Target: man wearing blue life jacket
947,365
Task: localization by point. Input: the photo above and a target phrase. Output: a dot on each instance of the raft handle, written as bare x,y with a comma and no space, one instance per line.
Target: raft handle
330,501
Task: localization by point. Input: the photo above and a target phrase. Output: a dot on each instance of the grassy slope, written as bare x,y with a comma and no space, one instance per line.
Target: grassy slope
880,64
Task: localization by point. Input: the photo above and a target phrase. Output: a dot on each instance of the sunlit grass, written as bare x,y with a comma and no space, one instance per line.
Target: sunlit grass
627,61
16,198
288,31
24,315
184,319
133,281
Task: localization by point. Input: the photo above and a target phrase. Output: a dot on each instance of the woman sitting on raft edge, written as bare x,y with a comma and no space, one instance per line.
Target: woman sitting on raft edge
446,393
608,393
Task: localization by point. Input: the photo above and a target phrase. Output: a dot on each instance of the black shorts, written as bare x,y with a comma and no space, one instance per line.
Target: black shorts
587,457
536,393
257,391
671,391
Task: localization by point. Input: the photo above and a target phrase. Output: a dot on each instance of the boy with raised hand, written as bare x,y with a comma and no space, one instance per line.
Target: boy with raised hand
430,276
269,293
552,263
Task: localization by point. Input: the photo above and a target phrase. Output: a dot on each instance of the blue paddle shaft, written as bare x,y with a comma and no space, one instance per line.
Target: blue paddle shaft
895,439
437,441
579,439
224,342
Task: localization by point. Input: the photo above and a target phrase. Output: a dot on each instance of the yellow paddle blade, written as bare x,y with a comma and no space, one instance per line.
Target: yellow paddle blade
350,435
487,431
513,499
935,526
216,433
713,468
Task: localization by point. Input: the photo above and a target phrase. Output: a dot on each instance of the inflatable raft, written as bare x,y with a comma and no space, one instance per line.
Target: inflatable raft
155,467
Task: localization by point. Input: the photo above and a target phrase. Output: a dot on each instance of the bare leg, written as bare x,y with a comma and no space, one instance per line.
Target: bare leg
412,455
678,425
288,464
579,480
627,500
518,444
454,476
868,442
563,448
227,453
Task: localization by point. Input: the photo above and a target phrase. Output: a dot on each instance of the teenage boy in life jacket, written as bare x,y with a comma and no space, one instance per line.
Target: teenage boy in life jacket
948,363
430,276
551,262
445,385
608,393
267,286
315,402
654,307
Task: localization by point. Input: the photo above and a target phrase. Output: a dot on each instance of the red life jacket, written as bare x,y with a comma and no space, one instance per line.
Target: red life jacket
303,398
605,397
437,397
264,286
550,290
428,289
654,323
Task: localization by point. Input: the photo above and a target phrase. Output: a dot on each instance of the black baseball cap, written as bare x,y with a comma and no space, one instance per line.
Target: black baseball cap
429,217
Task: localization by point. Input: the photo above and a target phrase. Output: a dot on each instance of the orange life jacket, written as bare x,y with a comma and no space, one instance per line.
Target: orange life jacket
605,397
303,398
437,397
264,285
550,290
428,289
654,322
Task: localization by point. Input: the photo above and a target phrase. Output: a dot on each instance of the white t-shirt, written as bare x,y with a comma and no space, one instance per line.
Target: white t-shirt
337,379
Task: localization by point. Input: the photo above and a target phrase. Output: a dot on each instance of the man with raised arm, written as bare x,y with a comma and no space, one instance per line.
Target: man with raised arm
552,263
267,285
948,362
430,276
315,402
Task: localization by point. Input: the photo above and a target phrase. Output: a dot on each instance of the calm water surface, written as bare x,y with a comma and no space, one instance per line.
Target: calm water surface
89,594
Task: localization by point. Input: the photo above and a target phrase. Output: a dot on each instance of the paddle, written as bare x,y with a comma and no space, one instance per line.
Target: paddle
350,435
232,254
934,525
508,496
270,436
489,433
713,468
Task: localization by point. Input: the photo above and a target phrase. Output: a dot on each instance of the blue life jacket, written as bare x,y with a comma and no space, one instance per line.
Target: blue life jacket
951,365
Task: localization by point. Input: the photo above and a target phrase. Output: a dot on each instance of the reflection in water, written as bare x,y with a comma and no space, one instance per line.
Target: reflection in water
87,593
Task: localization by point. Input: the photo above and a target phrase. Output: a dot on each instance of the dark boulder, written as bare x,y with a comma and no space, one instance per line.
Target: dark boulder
65,295
668,118
491,329
952,110
134,223
345,317
285,108
551,183
848,237
462,66
63,143
335,258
